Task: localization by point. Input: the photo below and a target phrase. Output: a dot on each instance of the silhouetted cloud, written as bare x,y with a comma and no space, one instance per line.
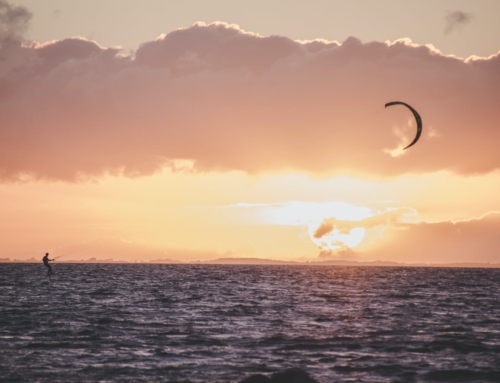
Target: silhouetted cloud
456,19
440,242
14,21
227,99
389,217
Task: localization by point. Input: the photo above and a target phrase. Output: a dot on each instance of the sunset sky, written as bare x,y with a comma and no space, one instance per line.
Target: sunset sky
198,129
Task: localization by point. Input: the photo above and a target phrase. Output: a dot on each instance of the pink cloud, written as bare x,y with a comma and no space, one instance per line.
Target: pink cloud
474,240
228,99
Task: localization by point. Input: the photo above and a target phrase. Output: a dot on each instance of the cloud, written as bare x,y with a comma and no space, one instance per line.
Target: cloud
455,20
14,21
388,217
474,240
233,100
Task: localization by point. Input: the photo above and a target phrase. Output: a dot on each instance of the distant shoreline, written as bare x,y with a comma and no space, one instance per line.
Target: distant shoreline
271,262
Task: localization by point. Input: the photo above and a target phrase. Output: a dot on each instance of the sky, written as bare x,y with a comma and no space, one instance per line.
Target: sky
196,130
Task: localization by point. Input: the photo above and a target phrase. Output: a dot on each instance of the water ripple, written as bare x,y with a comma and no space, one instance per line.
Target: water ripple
199,323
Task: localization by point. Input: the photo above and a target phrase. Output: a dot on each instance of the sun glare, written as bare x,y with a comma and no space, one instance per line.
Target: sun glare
337,238
313,215
303,213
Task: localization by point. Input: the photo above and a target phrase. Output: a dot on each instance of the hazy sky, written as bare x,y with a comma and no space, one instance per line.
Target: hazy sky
250,129
130,23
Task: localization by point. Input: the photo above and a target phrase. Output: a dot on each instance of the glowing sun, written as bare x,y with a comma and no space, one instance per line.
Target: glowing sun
337,237
331,225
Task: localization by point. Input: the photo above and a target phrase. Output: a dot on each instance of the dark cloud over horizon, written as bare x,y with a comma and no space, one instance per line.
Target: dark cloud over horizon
470,241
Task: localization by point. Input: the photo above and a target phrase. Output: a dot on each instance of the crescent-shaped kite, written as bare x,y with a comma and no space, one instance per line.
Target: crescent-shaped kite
417,118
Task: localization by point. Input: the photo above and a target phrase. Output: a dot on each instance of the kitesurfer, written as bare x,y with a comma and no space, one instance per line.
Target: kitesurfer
46,263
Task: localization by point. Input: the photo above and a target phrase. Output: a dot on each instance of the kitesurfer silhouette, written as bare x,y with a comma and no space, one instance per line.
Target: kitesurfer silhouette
46,263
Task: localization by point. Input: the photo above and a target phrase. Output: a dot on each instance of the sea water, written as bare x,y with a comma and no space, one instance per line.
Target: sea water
228,323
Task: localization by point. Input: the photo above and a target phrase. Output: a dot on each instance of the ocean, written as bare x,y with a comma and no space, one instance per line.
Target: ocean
252,324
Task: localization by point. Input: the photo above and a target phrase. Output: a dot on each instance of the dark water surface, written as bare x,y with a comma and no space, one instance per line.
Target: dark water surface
190,323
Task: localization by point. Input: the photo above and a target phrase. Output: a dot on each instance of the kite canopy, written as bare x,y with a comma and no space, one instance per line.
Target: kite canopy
417,118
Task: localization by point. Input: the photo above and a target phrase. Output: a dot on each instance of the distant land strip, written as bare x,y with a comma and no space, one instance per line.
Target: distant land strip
262,261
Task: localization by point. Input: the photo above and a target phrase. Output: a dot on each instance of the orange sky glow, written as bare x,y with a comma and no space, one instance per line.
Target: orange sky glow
215,141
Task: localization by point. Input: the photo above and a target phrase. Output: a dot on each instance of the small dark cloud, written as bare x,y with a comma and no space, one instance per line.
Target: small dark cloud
455,20
14,20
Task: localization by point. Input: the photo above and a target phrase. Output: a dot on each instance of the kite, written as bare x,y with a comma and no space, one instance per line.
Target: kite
417,118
